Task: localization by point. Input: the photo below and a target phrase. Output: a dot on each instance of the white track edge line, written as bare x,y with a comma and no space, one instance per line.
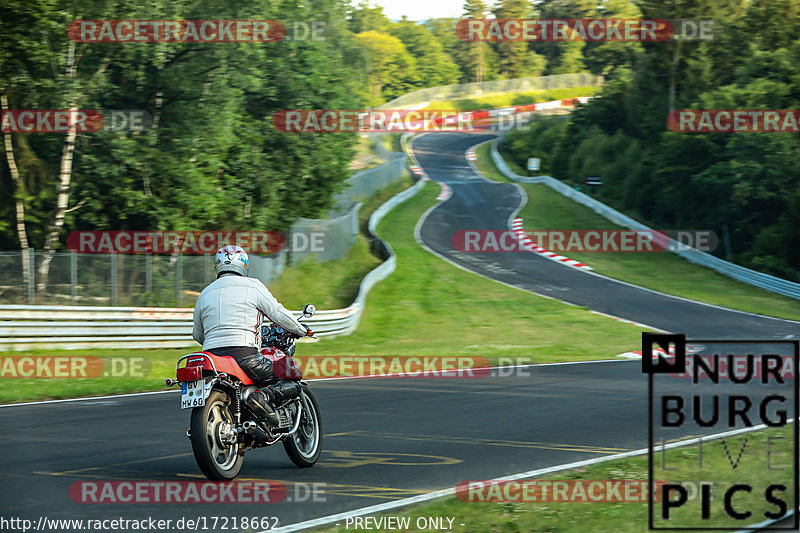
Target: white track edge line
529,474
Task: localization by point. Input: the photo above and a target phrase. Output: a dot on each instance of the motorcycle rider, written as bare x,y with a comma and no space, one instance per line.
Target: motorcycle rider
227,319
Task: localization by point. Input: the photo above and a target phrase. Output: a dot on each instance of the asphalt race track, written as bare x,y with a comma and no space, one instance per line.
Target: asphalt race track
478,204
386,439
389,438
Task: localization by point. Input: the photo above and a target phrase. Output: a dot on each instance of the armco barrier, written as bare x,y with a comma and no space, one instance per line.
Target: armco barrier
24,327
746,275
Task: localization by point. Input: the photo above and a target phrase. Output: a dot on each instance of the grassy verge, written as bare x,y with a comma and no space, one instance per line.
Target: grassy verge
579,517
330,285
364,157
514,99
426,307
486,165
665,272
334,284
392,142
515,168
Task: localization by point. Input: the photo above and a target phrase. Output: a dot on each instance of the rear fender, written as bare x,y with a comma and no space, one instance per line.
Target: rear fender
216,364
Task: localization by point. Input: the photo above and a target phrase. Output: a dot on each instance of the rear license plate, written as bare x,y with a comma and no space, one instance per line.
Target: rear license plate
192,394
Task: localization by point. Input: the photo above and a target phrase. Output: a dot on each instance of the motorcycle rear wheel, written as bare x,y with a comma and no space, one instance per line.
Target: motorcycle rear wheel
218,460
305,446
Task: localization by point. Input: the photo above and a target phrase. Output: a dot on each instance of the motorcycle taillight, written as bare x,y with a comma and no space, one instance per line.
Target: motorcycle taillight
190,373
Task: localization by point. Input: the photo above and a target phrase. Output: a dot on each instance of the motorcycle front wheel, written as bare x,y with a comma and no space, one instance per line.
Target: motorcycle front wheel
216,456
305,445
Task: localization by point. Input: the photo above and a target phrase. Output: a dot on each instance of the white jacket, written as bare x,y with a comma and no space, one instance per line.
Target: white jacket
229,311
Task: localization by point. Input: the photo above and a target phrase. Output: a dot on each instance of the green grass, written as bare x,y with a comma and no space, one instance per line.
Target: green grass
392,142
379,198
515,167
631,517
329,285
334,284
513,99
426,307
364,157
486,165
661,271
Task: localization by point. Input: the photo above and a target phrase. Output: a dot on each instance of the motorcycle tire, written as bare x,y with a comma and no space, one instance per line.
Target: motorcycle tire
217,460
305,445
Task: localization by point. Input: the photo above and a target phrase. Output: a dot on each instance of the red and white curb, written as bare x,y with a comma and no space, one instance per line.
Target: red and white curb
446,193
637,354
471,155
417,170
528,244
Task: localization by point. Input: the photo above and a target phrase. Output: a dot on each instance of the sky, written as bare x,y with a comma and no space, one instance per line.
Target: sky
418,9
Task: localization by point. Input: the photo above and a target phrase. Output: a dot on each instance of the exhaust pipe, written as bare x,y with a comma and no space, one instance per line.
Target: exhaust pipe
258,402
253,429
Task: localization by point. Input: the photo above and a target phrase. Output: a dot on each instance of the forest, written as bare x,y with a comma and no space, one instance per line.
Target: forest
210,157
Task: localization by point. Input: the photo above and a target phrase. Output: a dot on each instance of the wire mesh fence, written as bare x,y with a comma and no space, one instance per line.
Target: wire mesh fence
516,85
117,279
362,185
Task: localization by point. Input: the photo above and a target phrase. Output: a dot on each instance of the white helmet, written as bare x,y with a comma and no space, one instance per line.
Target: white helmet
232,259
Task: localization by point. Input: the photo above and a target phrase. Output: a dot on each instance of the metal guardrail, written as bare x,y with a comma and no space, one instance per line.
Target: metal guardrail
746,275
26,327
30,327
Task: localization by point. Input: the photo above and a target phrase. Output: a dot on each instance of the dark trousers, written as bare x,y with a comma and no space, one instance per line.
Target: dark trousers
256,366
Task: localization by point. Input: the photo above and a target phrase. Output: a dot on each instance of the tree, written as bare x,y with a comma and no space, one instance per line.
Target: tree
514,58
365,18
210,158
433,65
390,66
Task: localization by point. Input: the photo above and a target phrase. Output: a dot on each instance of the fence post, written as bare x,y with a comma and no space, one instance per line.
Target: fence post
148,274
31,276
113,279
178,279
73,277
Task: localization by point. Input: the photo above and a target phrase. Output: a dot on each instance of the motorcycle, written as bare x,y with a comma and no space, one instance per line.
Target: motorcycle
230,415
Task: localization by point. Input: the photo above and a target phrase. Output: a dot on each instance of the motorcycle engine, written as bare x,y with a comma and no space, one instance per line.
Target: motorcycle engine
285,415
